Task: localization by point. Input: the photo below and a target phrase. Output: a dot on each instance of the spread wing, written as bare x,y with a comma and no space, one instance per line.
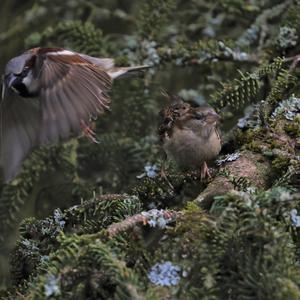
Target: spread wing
70,94
19,124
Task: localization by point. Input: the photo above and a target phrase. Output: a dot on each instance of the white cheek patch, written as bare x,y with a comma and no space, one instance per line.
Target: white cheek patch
28,79
63,52
31,83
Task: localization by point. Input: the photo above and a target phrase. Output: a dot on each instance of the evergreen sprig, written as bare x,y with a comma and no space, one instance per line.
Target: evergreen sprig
75,35
246,89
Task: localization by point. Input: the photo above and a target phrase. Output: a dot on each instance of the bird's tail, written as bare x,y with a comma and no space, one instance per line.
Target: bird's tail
108,64
124,71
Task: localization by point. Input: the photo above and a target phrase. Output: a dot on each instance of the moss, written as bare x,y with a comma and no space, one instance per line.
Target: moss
224,248
274,144
245,137
293,128
158,192
254,146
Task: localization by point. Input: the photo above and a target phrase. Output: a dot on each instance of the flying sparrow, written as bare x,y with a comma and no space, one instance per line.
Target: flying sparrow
50,95
189,135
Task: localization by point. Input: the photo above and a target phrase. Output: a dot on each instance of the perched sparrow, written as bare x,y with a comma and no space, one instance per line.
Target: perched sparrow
189,134
50,94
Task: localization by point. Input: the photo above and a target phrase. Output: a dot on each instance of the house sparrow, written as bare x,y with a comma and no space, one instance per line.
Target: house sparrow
189,135
48,95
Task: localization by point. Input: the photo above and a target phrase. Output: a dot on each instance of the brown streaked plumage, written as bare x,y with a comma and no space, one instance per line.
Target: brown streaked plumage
189,135
50,95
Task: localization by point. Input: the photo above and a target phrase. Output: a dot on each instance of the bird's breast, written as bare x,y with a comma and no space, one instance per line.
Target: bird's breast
190,150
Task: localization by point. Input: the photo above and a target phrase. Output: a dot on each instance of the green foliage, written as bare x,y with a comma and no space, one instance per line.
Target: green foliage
237,7
282,83
125,145
40,238
280,165
292,19
77,261
246,89
293,128
291,178
240,184
107,276
153,16
238,93
13,195
78,36
245,246
202,51
245,252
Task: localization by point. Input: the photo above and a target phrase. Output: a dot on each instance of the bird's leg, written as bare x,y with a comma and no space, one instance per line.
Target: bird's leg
88,132
163,172
204,171
165,177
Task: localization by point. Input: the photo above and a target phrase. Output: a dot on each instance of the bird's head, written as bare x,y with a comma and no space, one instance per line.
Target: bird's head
17,73
206,116
180,108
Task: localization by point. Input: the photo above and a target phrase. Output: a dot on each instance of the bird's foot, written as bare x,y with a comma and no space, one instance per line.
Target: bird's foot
204,171
88,132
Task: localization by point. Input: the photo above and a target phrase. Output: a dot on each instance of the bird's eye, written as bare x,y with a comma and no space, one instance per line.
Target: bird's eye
24,71
199,116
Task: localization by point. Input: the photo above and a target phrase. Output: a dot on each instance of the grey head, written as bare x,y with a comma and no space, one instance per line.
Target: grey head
15,71
16,65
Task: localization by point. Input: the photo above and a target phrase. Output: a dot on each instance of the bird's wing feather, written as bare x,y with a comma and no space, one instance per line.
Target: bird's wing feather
70,93
104,63
19,124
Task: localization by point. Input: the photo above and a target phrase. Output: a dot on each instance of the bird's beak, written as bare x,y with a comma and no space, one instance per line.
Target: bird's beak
9,80
212,117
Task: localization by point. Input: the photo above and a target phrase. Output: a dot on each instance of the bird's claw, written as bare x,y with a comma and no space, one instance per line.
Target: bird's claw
88,132
204,171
